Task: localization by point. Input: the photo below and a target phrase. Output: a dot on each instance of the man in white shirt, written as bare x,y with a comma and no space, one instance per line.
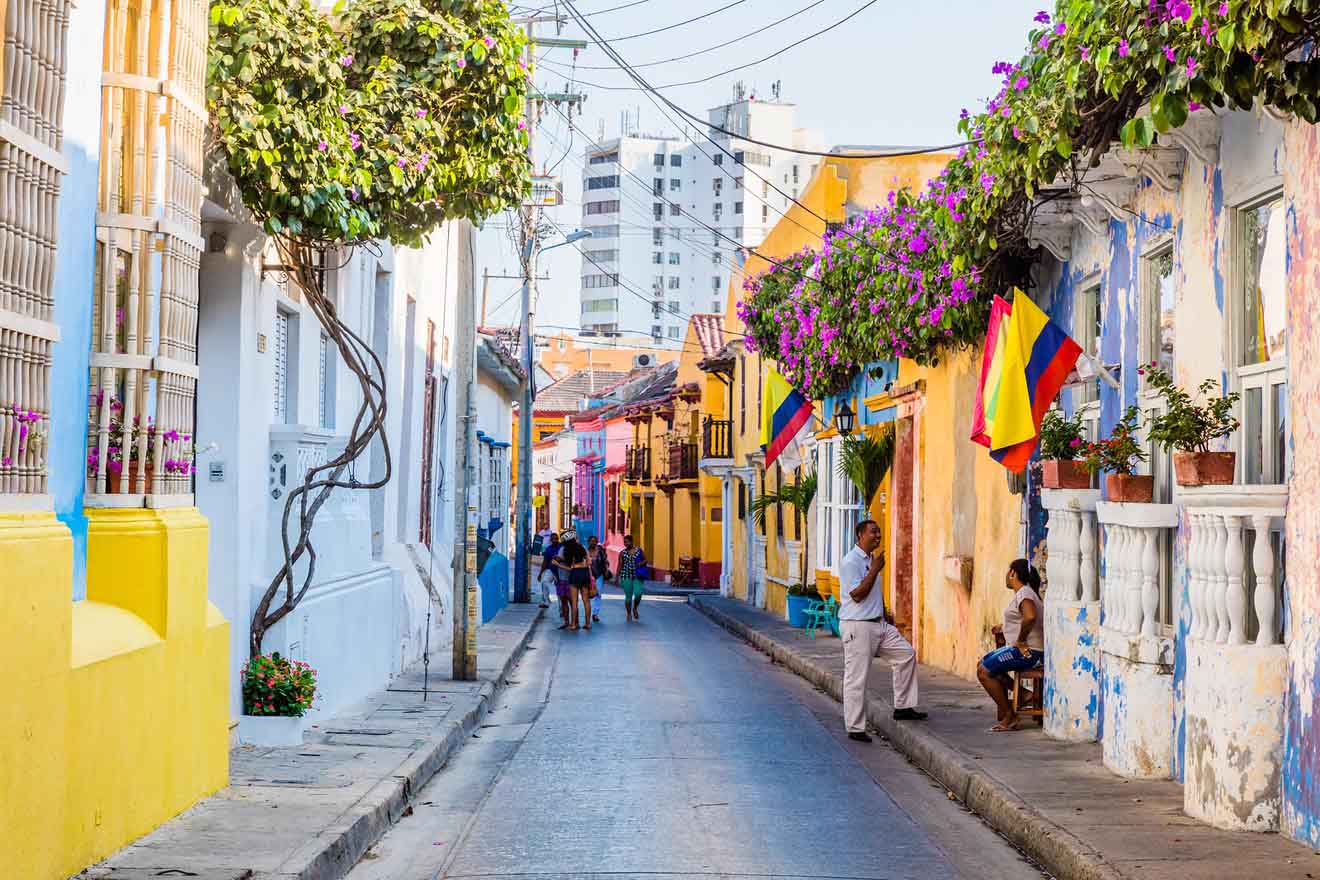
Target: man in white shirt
868,632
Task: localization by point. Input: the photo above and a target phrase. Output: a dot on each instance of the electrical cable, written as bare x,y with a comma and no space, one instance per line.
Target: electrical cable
679,24
745,36
706,79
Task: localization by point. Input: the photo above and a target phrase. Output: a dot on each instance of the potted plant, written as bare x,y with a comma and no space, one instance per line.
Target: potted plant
277,692
1118,454
800,596
1061,440
796,495
1189,425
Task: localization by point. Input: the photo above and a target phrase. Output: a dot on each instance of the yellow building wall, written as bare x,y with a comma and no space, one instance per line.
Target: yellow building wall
116,714
542,426
839,185
573,357
964,510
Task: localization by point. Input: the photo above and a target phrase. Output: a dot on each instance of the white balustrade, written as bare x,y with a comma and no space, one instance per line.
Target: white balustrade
1219,517
1131,592
1070,563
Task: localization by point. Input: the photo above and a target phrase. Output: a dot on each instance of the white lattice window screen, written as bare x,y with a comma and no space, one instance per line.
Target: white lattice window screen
281,368
32,81
148,232
838,506
323,385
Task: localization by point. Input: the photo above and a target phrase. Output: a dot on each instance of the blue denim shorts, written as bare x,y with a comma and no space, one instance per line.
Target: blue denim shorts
1002,661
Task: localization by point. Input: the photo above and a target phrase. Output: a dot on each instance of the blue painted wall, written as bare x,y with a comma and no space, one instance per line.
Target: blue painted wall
875,379
74,274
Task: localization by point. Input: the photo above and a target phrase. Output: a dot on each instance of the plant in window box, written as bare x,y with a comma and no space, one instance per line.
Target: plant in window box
1118,454
1189,425
1061,439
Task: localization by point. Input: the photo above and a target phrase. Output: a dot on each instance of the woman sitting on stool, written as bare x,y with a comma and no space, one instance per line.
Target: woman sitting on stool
1020,641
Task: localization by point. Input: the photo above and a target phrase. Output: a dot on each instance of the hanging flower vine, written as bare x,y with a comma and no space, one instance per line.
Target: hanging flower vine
377,121
913,278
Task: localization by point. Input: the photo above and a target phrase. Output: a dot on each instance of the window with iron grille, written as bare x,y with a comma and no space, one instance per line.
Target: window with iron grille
282,387
325,384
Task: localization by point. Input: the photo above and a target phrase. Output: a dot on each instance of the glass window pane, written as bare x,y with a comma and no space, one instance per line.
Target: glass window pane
1161,311
1252,437
1264,292
1279,407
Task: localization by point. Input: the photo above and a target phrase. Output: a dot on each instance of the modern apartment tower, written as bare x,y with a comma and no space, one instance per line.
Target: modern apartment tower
670,216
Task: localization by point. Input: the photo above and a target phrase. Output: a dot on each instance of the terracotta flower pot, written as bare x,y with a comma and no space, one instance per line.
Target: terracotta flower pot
114,481
1133,488
1204,468
1056,474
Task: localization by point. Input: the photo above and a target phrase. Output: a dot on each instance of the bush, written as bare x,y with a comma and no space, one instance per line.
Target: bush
1061,439
1120,451
275,685
1186,425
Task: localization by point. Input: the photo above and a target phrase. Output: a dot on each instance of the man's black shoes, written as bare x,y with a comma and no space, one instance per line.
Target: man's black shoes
860,736
909,715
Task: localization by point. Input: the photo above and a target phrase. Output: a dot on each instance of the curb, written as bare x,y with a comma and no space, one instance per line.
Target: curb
1054,847
333,853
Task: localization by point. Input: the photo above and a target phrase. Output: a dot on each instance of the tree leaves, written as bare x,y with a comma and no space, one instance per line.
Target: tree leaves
361,124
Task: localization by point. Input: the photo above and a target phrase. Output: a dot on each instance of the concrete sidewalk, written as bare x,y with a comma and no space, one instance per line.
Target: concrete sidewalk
1056,801
311,812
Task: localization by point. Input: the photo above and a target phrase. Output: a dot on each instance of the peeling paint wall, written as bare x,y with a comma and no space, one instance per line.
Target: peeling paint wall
1072,670
1233,751
1301,764
1137,695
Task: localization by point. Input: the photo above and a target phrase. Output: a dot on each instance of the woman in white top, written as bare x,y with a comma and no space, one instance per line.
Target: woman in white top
1020,641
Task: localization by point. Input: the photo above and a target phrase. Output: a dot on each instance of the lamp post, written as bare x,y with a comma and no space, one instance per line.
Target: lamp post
522,580
843,418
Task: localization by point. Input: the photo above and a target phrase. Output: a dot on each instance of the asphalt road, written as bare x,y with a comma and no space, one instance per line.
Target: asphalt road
668,749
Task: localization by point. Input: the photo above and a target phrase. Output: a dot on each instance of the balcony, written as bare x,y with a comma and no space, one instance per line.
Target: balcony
637,464
717,438
682,462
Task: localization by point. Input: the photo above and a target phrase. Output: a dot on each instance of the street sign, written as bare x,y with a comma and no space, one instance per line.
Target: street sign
547,192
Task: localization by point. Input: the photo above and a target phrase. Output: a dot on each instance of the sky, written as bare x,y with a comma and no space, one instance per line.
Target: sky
897,73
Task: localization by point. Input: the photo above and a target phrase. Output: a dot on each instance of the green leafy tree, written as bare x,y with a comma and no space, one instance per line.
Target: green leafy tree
377,121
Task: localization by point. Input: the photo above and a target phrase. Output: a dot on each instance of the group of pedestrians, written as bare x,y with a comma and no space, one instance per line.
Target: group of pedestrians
578,575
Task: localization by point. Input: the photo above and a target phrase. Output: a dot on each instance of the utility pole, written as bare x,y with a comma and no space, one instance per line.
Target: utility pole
522,578
465,499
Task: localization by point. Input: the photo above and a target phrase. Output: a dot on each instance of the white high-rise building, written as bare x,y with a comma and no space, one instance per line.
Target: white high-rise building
669,217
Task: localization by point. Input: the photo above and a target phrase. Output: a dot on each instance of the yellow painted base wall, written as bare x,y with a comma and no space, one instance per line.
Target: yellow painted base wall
116,714
965,509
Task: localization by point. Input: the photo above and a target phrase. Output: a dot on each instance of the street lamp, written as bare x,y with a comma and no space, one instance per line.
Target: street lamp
522,584
843,418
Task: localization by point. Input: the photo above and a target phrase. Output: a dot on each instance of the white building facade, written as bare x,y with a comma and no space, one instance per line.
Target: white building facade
669,216
274,399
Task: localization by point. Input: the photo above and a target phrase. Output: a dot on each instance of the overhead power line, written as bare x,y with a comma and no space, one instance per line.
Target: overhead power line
745,36
678,24
705,79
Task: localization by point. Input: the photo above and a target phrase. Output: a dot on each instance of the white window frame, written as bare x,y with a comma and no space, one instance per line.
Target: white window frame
325,383
284,367
1159,463
1086,398
838,506
1247,378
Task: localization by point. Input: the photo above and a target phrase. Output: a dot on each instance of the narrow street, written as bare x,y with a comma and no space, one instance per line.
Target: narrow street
670,749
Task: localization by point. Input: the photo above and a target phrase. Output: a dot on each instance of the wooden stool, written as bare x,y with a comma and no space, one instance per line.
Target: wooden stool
1029,702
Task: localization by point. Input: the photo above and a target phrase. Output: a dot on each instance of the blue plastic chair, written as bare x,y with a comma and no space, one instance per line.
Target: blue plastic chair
822,614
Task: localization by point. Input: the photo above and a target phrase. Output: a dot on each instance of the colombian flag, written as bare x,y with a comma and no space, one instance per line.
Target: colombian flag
1026,360
785,420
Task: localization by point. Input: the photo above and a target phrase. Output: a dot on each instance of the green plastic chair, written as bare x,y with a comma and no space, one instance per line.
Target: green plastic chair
822,614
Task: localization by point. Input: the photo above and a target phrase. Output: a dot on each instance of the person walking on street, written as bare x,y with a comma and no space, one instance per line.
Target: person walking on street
632,574
573,557
868,632
600,573
549,551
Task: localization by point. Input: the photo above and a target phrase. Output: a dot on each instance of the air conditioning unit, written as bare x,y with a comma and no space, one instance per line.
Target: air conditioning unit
643,360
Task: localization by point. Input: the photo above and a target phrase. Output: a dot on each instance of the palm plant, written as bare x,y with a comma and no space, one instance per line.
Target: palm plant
797,495
865,459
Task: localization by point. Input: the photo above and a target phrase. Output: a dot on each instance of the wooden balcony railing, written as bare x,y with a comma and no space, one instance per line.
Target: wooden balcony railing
717,438
637,463
682,461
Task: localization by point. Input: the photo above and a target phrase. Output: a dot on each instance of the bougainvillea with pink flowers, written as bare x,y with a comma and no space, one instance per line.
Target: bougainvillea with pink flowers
914,277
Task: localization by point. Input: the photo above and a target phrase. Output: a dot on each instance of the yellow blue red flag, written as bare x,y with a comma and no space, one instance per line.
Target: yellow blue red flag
785,421
1027,359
